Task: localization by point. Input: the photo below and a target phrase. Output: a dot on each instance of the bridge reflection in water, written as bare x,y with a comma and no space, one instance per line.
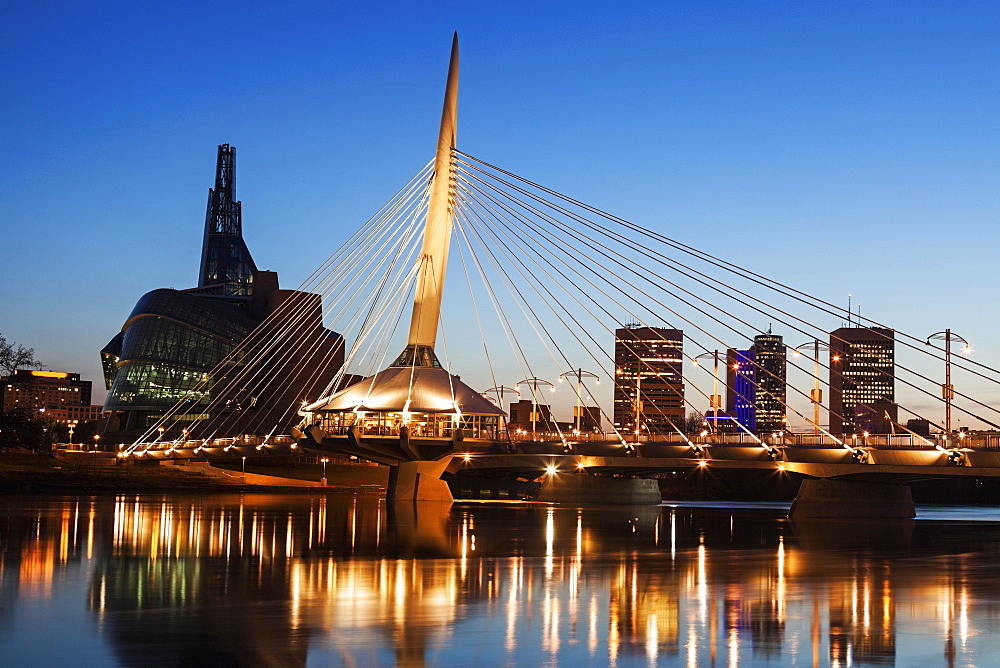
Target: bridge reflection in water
282,580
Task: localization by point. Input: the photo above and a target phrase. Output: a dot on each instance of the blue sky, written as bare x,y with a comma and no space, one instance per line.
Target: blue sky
839,147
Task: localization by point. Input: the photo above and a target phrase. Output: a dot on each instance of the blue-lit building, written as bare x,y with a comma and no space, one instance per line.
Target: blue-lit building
741,390
756,382
173,353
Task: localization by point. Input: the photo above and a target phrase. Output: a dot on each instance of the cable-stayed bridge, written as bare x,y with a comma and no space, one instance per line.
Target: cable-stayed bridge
542,285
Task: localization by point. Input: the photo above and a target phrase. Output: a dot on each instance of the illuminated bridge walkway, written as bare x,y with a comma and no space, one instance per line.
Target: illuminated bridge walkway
819,456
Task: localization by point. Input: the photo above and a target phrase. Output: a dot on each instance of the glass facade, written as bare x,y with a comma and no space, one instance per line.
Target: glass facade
421,425
167,349
227,261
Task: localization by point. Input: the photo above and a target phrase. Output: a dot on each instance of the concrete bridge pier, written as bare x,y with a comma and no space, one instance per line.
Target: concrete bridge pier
419,481
585,489
833,498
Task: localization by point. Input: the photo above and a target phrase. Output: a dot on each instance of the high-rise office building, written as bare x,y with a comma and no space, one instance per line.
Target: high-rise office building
862,371
649,385
167,356
769,366
755,384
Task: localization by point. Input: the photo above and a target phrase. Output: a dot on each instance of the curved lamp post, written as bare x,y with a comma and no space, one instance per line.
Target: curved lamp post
499,391
579,374
533,383
947,389
716,400
815,394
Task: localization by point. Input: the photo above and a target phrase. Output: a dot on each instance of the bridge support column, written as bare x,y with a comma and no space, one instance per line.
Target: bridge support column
585,489
419,481
825,497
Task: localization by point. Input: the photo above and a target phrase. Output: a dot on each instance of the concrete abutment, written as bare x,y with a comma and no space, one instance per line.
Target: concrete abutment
419,481
586,489
830,498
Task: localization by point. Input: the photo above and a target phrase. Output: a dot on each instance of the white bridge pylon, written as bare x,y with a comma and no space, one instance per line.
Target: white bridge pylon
440,219
420,406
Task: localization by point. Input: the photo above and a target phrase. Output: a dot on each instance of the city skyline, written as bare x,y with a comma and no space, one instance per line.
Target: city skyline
889,168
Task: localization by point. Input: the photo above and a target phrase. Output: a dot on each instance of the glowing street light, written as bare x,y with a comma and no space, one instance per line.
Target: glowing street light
534,383
816,394
500,391
947,389
716,399
578,409
243,477
324,460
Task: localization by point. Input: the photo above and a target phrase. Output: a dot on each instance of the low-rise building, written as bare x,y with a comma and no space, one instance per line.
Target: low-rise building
52,392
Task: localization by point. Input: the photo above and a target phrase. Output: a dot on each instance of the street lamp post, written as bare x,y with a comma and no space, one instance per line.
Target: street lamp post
947,389
815,394
72,426
716,399
500,391
243,476
638,406
578,409
97,442
534,383
324,460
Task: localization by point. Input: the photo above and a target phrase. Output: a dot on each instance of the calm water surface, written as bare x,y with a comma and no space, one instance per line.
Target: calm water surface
259,580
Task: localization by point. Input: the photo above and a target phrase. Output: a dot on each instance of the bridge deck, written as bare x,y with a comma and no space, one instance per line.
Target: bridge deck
902,457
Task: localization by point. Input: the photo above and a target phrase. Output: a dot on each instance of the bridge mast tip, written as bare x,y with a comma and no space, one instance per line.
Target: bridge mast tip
440,219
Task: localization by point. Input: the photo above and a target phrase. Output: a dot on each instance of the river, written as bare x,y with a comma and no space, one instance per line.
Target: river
312,580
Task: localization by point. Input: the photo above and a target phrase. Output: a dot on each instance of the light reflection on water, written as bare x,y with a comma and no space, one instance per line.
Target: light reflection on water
293,580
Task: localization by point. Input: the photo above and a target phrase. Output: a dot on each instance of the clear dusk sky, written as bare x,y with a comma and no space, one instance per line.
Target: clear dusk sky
849,147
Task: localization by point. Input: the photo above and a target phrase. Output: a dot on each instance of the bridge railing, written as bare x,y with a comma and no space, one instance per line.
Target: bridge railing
878,441
231,441
989,441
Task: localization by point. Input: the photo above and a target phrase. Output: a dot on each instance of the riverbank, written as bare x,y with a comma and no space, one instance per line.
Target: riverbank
29,473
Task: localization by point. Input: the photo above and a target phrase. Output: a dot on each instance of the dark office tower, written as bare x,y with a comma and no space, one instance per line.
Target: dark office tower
226,264
769,366
649,386
862,372
741,388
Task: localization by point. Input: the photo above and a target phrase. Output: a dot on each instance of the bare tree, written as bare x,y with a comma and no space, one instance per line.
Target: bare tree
19,426
694,422
12,359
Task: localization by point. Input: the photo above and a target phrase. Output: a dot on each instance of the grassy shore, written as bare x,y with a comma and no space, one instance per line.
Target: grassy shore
43,473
